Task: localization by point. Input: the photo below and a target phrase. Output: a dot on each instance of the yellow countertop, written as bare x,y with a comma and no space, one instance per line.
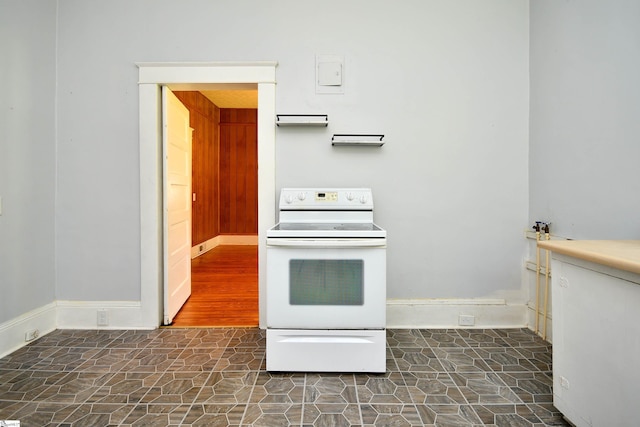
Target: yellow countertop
620,254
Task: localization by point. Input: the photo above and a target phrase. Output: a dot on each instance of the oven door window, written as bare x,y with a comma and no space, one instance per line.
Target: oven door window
326,282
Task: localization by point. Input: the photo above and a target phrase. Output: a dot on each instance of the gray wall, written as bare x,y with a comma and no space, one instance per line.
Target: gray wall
585,118
445,81
27,155
465,169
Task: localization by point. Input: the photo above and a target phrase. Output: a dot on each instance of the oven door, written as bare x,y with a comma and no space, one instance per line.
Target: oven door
326,283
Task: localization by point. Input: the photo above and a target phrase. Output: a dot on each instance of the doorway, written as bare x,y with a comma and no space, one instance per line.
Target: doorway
224,274
197,76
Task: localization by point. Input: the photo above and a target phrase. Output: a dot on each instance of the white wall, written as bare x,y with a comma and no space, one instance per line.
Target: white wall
446,82
585,105
27,157
584,128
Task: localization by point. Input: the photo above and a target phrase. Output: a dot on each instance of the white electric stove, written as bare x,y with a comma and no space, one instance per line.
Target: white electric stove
326,283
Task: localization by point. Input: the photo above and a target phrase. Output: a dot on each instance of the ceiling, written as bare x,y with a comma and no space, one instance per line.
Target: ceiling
226,98
224,95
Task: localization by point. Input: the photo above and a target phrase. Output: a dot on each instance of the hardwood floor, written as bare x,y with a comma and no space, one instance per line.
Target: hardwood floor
224,289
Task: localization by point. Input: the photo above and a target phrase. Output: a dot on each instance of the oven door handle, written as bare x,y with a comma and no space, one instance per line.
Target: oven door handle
328,243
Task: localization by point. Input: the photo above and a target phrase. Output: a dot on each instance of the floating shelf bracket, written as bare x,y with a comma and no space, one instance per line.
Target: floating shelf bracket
357,139
302,120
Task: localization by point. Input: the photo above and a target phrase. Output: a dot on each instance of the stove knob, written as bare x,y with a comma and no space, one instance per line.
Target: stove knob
364,199
350,196
288,198
302,196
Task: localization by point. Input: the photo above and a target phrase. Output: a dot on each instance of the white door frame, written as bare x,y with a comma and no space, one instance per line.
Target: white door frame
197,76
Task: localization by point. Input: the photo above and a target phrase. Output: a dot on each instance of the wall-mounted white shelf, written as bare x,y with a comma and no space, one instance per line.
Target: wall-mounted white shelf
302,119
357,139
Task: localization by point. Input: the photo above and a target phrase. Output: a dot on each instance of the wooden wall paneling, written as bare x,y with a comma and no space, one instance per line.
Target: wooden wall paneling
233,179
225,171
252,164
252,179
225,177
214,181
207,192
198,123
239,179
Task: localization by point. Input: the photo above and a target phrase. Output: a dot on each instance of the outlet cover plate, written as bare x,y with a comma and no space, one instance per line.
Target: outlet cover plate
466,320
103,318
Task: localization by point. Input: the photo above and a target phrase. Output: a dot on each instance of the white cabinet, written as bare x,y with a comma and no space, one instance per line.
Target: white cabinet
596,342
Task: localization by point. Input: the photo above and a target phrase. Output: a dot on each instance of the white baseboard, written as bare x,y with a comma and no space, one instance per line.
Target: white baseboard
86,315
223,239
13,332
401,314
70,315
446,313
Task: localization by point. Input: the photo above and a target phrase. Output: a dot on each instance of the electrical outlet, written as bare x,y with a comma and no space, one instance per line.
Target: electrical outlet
31,335
466,320
564,383
103,318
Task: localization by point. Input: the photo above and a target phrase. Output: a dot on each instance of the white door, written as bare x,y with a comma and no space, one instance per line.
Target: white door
176,144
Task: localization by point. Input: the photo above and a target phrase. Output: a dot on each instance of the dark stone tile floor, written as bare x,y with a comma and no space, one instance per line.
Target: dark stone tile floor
216,377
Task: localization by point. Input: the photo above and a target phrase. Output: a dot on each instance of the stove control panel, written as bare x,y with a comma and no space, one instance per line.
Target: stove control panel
326,199
328,196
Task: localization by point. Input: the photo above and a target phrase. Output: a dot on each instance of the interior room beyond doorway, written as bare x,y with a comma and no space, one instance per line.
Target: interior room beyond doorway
225,209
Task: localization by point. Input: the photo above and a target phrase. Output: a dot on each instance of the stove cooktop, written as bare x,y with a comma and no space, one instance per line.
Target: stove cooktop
329,229
288,226
339,213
